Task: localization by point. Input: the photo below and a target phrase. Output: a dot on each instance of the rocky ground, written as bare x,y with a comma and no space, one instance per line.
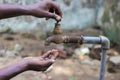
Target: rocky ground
15,46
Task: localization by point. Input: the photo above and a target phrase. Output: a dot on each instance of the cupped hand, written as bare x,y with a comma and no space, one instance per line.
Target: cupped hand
42,63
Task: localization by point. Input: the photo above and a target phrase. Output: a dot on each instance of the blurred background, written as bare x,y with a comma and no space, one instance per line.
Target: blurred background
25,36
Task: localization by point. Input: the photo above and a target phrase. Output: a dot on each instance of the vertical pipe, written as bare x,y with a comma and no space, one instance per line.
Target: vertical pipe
103,65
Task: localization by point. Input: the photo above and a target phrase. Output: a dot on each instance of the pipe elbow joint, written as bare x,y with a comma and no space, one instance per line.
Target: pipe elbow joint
105,42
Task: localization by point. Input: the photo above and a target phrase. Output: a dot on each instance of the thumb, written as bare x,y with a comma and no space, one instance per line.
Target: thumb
49,62
53,16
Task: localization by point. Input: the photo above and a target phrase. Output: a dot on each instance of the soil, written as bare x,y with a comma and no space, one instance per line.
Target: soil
64,69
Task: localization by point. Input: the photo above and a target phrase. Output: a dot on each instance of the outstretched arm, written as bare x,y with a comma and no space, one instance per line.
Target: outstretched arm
44,9
13,70
8,10
29,63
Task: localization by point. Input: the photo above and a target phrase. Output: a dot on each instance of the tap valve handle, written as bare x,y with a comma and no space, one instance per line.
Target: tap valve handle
57,29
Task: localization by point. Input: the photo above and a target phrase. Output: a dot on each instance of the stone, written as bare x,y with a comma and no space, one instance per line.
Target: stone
7,53
7,31
8,37
112,52
18,47
115,60
29,36
114,64
10,54
82,51
91,62
2,52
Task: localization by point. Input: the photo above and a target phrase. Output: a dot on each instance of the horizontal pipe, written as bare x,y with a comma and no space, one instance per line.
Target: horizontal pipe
103,41
91,40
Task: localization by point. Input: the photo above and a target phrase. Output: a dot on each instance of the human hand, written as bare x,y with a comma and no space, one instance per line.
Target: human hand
46,9
30,63
41,63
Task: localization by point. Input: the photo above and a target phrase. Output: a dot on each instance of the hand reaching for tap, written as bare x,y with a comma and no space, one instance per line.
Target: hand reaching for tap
43,9
47,9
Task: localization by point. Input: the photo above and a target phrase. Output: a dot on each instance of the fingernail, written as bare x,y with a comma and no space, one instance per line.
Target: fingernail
53,49
53,60
58,18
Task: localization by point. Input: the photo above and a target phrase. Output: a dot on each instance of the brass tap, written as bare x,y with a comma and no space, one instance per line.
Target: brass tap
58,38
57,29
57,35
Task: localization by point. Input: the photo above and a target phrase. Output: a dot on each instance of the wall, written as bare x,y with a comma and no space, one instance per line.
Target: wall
76,14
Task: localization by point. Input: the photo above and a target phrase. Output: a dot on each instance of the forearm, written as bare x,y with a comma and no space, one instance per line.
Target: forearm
11,71
8,10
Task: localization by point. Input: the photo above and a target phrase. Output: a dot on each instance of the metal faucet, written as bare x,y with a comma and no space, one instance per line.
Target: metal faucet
103,41
58,38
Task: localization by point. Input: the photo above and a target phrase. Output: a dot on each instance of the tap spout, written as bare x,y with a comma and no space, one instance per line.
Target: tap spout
57,39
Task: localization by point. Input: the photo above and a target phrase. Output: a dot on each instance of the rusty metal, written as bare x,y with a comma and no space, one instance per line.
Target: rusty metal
58,38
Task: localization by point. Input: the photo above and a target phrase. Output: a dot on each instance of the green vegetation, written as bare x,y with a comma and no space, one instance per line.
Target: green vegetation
43,36
113,34
111,22
72,78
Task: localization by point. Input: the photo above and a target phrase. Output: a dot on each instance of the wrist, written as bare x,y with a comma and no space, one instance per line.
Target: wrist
26,9
13,70
26,64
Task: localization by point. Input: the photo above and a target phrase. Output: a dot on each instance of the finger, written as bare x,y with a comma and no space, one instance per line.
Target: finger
46,54
48,62
52,10
58,13
61,51
57,9
54,54
52,15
